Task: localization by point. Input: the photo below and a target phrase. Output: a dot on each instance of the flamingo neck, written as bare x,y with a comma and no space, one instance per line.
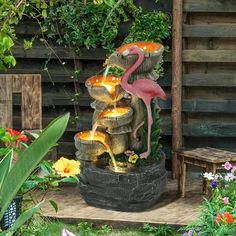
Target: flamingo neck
124,81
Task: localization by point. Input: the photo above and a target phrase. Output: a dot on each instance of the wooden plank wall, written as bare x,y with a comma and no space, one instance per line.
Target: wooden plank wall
59,82
209,73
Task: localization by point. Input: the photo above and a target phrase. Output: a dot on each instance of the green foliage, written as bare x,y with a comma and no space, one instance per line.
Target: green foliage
48,180
161,230
87,229
41,227
28,160
90,24
10,14
151,26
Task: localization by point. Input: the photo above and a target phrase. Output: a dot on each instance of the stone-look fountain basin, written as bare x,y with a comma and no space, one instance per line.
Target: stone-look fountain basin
90,146
115,117
105,88
133,191
152,51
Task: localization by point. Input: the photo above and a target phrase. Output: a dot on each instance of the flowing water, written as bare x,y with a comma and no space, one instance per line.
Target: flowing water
105,74
113,159
96,137
95,126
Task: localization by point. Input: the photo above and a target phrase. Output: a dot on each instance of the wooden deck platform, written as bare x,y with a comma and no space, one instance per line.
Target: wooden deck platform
171,209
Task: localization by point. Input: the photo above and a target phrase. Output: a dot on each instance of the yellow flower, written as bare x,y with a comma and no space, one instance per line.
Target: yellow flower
66,167
133,158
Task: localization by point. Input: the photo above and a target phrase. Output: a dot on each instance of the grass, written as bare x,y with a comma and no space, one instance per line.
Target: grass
43,227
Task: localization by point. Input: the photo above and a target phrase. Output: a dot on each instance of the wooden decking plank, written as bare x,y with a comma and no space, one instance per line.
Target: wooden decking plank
176,210
210,30
6,101
209,6
190,55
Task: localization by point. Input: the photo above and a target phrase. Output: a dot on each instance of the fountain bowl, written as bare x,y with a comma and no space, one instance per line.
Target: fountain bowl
133,191
115,117
152,52
89,148
105,88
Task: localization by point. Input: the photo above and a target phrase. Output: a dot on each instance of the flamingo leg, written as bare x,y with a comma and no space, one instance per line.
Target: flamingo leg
150,121
137,128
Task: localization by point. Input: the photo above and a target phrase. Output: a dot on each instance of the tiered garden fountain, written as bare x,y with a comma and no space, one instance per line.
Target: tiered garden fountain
119,114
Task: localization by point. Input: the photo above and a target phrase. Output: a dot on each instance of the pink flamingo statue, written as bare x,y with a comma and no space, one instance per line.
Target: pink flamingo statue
143,88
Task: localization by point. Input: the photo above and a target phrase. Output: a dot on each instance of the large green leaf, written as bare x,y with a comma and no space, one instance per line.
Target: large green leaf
21,220
5,166
29,159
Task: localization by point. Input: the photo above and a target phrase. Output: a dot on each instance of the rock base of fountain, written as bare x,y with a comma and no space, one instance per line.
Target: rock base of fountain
129,192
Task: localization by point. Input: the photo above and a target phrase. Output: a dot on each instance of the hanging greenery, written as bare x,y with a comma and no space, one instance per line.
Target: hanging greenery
88,24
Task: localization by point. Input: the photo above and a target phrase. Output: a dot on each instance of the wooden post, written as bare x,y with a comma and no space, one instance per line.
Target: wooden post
176,90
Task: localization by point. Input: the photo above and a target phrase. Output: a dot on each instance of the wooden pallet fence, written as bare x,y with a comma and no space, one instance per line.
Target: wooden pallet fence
207,99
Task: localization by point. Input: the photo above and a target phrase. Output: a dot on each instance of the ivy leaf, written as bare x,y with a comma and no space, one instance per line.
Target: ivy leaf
44,13
27,44
109,3
44,5
54,205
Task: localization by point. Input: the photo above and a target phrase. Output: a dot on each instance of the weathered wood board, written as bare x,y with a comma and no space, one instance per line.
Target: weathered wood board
209,6
29,88
5,101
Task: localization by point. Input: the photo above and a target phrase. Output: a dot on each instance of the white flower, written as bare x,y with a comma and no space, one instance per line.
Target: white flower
233,169
229,177
208,176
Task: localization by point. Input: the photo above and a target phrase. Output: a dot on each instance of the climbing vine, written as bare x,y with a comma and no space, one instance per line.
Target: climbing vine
11,13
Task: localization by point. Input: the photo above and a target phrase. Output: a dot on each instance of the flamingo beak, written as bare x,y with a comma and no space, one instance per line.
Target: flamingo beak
125,53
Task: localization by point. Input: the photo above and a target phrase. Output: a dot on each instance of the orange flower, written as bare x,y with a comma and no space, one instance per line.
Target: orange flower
13,132
228,217
17,135
225,217
66,167
22,138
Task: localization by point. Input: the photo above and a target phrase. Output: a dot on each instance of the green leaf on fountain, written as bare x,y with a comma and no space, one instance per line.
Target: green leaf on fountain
115,71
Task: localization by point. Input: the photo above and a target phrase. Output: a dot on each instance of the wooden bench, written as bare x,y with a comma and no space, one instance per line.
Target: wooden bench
208,158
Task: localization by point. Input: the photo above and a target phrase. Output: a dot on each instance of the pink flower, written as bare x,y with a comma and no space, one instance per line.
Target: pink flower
227,165
226,200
